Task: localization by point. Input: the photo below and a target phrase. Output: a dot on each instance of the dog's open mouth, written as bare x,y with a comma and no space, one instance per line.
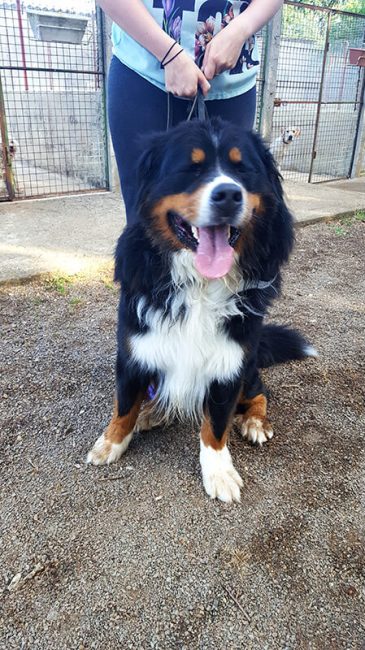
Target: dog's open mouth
212,245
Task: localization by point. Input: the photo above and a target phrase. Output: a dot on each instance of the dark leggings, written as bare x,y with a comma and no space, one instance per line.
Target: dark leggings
136,106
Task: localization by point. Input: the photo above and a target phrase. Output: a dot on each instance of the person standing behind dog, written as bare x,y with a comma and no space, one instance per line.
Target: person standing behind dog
178,46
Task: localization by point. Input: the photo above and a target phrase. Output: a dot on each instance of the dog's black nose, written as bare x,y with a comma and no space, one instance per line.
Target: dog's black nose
290,138
227,196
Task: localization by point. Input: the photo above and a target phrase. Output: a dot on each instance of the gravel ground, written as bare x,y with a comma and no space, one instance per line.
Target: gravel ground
135,555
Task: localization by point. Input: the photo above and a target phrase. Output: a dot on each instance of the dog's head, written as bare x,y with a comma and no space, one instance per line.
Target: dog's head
13,147
202,187
289,134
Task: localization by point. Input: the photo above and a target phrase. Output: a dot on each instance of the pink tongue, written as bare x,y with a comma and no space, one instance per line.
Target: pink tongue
214,256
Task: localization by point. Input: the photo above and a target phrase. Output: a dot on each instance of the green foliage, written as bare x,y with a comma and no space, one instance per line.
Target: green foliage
355,6
58,283
343,226
75,301
310,25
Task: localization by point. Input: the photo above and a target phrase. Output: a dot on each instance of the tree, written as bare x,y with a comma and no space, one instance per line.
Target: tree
355,6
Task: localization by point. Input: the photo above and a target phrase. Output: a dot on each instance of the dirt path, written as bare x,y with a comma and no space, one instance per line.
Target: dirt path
135,555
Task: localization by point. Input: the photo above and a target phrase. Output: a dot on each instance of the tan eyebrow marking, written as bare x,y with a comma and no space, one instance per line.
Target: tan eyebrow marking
235,155
197,155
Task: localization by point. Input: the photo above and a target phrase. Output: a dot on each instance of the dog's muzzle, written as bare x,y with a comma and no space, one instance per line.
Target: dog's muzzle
226,201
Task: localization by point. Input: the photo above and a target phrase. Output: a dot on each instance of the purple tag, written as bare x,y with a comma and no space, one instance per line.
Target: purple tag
151,392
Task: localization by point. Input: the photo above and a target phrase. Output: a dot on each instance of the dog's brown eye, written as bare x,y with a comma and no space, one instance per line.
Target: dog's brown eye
196,168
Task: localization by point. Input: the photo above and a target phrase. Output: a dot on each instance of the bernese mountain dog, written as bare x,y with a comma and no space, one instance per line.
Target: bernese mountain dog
198,270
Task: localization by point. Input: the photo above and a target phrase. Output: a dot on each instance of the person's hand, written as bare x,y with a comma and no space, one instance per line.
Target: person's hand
223,51
182,77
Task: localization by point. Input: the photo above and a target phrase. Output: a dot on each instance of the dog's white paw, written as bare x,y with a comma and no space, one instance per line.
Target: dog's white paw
257,430
105,452
220,479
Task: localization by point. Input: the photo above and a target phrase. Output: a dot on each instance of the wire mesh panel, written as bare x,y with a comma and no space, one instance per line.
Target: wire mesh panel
51,68
340,101
318,95
302,46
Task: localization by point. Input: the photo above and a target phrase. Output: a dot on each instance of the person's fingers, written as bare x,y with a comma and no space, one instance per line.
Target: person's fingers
203,83
205,57
209,69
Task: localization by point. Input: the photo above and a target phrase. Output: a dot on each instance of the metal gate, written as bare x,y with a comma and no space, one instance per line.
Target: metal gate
319,94
52,100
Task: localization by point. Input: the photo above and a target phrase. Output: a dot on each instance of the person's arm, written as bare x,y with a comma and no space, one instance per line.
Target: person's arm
224,49
182,76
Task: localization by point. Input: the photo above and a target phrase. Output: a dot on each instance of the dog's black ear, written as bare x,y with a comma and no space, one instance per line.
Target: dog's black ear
149,165
275,177
278,230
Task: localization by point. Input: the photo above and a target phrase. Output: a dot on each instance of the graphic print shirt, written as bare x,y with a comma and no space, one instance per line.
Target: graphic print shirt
192,23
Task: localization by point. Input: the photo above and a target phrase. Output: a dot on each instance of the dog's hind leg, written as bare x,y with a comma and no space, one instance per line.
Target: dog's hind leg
253,422
118,434
220,478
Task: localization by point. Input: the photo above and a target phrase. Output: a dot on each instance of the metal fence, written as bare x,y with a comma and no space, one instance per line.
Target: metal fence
260,79
52,99
318,94
52,108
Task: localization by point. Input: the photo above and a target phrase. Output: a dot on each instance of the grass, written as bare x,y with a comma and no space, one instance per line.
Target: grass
59,283
62,284
343,225
75,301
360,216
109,285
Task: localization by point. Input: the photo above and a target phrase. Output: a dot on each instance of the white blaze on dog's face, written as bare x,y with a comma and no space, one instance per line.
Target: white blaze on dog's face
222,205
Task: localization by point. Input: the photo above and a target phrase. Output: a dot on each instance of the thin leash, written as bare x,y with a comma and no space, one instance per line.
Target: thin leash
198,109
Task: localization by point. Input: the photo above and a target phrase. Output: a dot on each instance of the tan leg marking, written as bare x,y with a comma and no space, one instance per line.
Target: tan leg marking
116,437
220,479
254,424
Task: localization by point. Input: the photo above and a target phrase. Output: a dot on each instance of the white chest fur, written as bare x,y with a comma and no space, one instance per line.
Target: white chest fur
191,352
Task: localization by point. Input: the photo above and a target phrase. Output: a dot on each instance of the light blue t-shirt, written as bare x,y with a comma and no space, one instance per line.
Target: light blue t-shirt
192,23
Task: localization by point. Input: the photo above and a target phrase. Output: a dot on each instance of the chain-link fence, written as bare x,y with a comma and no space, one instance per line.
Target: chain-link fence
319,94
52,113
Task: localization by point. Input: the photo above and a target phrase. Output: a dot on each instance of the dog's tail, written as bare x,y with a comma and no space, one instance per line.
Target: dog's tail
279,344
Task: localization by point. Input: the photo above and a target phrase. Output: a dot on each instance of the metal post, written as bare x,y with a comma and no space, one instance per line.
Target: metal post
9,177
358,156
272,50
105,26
22,46
326,47
102,67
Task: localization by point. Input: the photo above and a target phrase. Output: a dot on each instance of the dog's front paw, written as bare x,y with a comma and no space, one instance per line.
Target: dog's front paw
105,452
220,479
257,430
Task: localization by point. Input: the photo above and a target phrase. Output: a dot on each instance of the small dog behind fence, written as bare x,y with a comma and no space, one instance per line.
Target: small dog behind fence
280,146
